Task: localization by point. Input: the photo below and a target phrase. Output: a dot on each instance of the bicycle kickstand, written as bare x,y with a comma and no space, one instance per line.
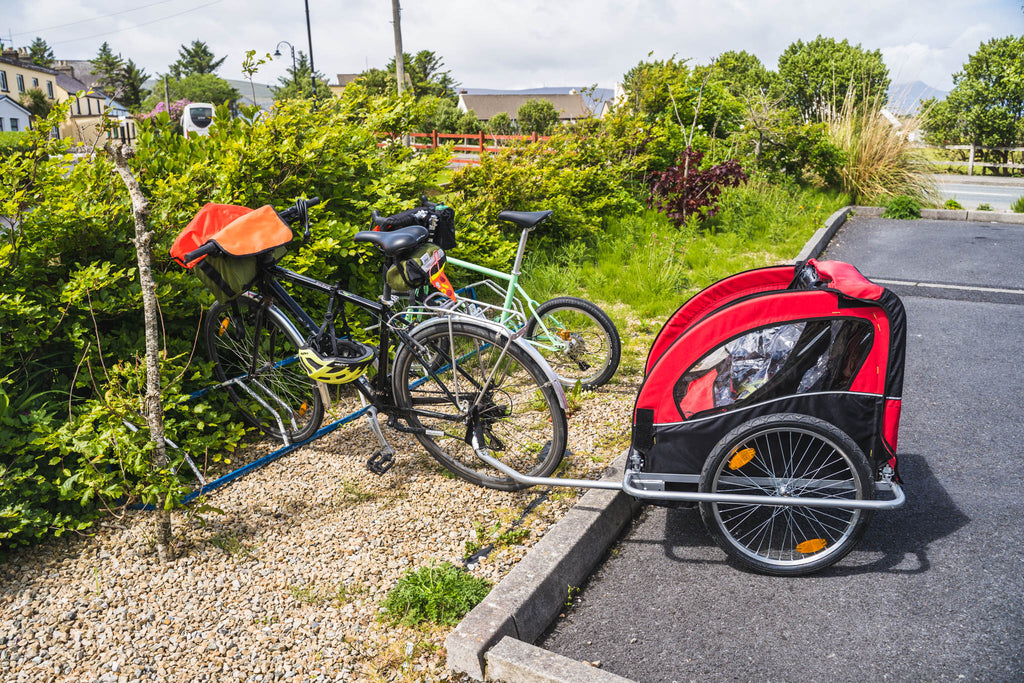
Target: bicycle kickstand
384,459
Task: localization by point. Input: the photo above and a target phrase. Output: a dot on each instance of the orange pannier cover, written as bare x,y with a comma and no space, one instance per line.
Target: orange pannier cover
237,230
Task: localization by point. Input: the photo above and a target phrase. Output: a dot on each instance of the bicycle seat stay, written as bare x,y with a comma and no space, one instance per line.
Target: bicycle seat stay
525,219
396,242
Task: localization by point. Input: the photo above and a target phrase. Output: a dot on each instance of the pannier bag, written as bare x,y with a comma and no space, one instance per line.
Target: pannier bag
438,219
244,236
425,265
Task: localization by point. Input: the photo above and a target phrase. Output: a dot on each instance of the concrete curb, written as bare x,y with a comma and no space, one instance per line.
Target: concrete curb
820,239
514,661
530,596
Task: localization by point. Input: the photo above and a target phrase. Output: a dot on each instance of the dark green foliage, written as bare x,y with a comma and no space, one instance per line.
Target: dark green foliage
41,53
744,75
441,594
424,73
986,105
107,66
501,124
815,77
195,59
194,88
903,208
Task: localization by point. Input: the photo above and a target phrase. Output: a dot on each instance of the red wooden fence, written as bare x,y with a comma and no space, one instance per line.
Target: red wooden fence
468,145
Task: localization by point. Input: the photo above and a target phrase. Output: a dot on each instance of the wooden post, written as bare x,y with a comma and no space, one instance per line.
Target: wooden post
535,136
433,139
970,161
481,143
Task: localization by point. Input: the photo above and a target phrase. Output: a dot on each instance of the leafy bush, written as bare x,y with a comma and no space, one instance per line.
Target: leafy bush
953,204
441,594
777,142
903,208
1018,205
686,190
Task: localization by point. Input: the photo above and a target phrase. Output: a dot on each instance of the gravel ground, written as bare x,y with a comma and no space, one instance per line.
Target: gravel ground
285,580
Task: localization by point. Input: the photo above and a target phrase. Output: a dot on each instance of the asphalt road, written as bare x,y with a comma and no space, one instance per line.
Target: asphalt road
970,191
935,591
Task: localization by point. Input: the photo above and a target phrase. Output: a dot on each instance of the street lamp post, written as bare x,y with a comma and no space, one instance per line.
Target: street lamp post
277,53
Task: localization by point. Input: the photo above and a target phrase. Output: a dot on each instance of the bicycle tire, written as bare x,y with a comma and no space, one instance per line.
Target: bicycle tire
791,455
517,413
230,344
588,343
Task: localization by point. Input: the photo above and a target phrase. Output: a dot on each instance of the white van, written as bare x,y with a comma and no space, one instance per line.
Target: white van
196,118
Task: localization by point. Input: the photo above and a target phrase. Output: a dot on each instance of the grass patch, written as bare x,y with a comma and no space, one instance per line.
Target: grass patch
438,593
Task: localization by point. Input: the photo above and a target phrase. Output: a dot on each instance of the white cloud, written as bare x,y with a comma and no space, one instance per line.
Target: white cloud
517,43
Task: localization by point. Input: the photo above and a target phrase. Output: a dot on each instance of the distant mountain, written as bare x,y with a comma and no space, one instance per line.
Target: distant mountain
594,99
904,98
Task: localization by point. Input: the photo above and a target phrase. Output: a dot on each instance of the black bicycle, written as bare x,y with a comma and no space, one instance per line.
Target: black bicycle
462,386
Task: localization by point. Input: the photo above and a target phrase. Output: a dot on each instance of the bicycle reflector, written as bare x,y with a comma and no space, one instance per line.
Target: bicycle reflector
352,360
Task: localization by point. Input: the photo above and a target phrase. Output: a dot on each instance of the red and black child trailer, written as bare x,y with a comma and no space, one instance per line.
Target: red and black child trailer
772,400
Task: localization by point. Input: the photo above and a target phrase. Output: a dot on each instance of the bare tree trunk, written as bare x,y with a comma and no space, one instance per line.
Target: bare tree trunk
152,406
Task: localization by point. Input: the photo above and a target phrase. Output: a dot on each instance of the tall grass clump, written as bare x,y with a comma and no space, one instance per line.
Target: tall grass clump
881,161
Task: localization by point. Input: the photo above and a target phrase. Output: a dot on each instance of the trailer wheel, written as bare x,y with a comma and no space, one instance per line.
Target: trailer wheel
786,455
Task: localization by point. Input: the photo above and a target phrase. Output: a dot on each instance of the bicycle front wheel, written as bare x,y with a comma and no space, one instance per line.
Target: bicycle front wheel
795,456
483,384
256,346
577,339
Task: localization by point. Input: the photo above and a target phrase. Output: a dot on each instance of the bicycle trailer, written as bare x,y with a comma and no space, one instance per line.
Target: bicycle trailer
772,400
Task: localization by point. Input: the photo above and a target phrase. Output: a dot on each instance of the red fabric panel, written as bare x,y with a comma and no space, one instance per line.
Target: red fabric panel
785,306
847,279
699,395
731,288
210,219
891,423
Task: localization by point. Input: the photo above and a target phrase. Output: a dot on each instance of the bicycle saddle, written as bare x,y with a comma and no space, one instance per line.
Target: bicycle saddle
396,242
525,219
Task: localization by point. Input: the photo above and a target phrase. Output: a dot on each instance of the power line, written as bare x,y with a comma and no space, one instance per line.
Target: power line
145,23
84,21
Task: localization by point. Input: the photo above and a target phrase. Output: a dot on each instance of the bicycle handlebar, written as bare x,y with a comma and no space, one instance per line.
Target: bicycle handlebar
289,215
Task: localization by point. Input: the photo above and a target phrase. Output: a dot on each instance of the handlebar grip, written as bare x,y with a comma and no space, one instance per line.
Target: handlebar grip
293,213
377,219
208,248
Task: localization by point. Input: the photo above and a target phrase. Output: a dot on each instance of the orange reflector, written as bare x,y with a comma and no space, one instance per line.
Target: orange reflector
811,546
741,458
302,409
224,326
564,334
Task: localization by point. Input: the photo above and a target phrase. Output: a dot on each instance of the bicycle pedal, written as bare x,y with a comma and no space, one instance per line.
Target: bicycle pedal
380,462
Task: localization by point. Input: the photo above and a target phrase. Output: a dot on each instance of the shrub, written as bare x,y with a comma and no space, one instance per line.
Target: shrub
903,208
685,190
1018,205
984,206
953,204
441,594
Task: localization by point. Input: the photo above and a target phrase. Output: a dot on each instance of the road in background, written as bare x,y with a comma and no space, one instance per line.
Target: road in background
970,191
935,591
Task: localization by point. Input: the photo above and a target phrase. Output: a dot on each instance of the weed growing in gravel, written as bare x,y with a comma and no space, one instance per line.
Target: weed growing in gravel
438,593
229,542
1018,205
353,493
984,206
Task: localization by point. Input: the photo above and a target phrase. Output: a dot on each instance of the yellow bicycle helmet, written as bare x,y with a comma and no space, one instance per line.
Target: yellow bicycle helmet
352,360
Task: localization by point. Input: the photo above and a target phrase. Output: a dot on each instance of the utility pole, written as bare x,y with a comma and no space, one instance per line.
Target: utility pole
396,10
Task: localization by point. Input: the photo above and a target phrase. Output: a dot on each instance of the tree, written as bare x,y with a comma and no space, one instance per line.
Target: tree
537,116
37,103
195,59
815,77
297,83
986,105
744,74
131,91
424,74
501,124
108,67
41,53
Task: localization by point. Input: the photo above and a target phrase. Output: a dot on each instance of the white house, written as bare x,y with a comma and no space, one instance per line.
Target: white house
13,116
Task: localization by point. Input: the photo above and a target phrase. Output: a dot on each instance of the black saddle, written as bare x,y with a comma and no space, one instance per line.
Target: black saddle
395,243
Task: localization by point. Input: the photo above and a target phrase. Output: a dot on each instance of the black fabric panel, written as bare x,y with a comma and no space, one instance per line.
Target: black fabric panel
683,447
893,307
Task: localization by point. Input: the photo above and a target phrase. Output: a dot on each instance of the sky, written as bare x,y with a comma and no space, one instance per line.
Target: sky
514,44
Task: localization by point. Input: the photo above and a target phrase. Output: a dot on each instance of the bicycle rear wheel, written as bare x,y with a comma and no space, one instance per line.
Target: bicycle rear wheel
277,387
577,339
485,384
